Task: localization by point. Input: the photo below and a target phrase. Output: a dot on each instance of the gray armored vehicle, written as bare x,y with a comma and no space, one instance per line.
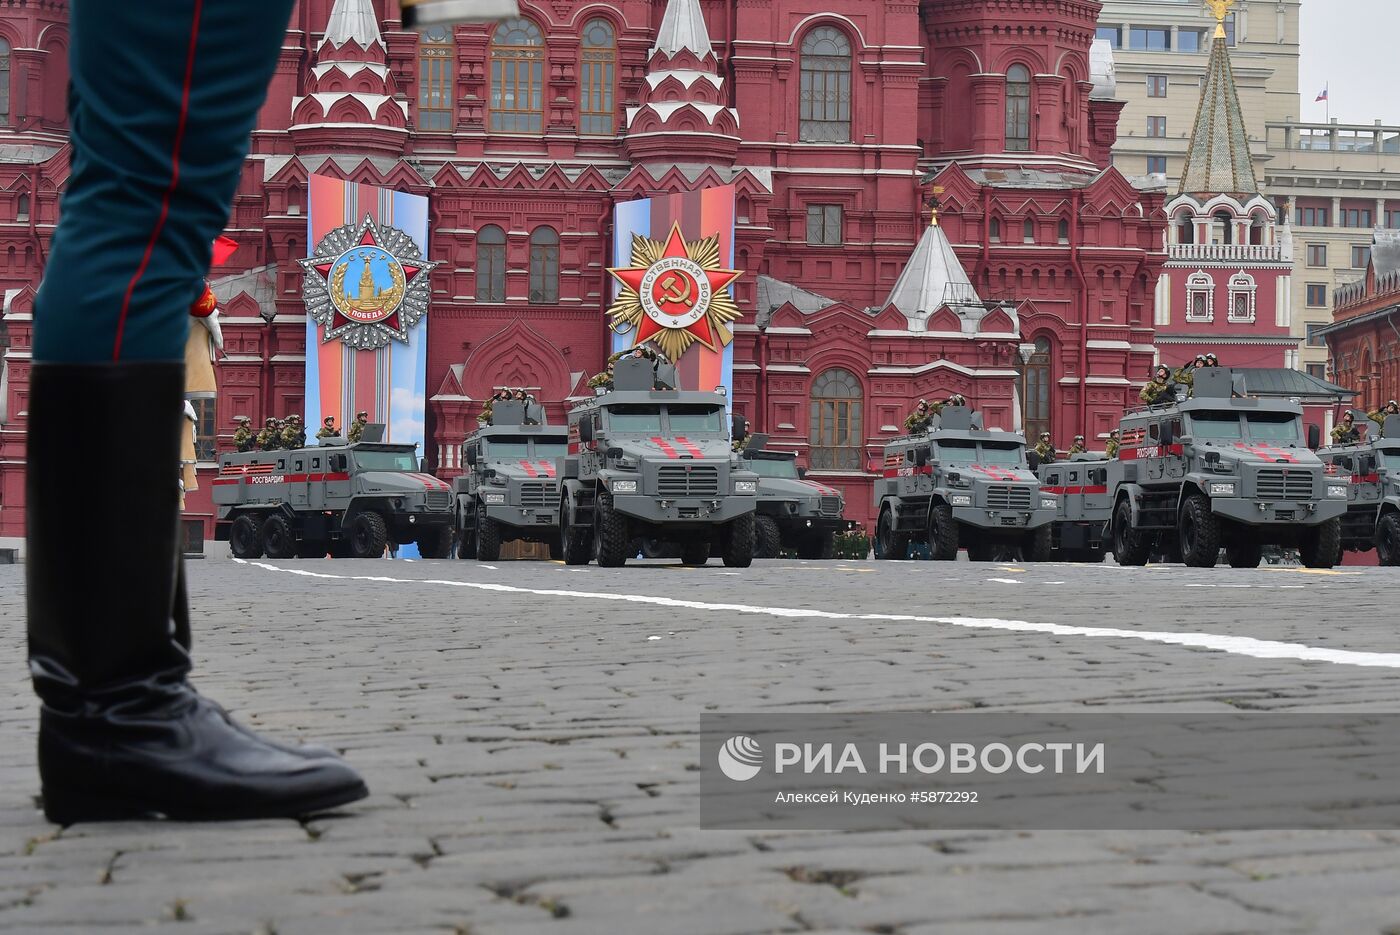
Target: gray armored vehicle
1372,520
650,462
512,490
793,512
960,485
343,499
1085,504
1221,470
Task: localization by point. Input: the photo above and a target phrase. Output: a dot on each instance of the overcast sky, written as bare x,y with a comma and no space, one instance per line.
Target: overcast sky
1350,45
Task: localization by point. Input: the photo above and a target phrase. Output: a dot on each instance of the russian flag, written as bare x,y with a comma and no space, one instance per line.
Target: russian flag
1322,96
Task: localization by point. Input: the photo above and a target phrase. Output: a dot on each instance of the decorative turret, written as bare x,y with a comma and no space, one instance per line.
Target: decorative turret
1218,159
682,109
934,292
351,95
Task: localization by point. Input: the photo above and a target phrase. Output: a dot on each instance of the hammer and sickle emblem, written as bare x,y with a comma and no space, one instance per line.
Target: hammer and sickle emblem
677,289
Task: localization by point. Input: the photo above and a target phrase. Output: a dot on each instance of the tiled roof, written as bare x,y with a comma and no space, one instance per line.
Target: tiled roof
1218,159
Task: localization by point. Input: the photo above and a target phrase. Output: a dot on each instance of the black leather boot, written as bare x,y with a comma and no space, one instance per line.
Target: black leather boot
122,734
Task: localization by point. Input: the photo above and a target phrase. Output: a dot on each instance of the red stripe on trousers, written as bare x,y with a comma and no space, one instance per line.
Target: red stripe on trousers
170,189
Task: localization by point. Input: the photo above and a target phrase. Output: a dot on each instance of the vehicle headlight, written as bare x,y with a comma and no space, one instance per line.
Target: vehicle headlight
624,486
495,498
626,463
1222,490
959,481
1049,503
498,481
746,486
1336,490
960,499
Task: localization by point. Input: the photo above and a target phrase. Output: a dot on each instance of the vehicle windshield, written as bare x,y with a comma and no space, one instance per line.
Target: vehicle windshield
385,460
787,467
1215,426
551,449
1274,427
507,449
1002,455
696,419
635,419
958,452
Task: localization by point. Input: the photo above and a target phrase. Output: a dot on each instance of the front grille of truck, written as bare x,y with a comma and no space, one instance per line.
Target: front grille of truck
676,481
538,495
1279,484
831,506
438,499
1008,498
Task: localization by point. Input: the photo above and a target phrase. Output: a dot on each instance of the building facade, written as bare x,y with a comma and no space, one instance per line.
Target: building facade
1364,339
838,123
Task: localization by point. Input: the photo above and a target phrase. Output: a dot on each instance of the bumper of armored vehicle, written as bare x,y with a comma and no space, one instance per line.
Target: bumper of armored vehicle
1282,497
695,494
1003,506
522,502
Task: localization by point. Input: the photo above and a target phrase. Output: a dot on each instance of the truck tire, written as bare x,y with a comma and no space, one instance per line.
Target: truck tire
245,537
436,543
1038,546
278,540
610,533
1199,533
1244,554
695,552
368,535
739,540
465,546
769,539
1130,547
942,534
1387,539
556,547
890,545
578,548
1321,546
487,538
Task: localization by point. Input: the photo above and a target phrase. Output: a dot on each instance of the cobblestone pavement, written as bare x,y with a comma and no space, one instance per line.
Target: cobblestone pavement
533,756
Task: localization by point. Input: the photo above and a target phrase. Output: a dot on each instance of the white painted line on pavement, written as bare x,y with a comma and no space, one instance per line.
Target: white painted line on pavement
1004,580
1236,645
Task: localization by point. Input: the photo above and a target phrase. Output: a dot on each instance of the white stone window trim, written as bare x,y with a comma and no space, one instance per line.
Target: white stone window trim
1242,284
1196,284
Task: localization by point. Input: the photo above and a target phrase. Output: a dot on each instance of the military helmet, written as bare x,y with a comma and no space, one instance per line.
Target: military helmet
957,399
1201,358
1045,435
1348,416
294,418
242,420
1163,371
328,420
923,404
1079,438
362,414
1212,359
1392,405
269,421
1113,434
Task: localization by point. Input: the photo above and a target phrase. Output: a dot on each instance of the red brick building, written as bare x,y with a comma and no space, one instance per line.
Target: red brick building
1363,342
836,121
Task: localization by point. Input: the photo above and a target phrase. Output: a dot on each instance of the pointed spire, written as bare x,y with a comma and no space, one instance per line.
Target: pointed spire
932,278
683,28
352,21
1218,159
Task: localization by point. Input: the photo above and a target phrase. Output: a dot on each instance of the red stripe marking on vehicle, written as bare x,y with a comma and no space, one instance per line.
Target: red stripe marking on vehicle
665,447
529,469
549,469
1148,451
908,471
1084,489
1365,478
690,447
1268,451
170,189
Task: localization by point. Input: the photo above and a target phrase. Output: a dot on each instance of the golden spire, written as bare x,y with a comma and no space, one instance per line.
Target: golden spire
1221,9
932,204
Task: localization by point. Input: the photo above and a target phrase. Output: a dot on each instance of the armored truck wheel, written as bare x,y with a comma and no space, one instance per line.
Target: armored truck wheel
610,533
1244,554
556,547
1199,532
466,548
1037,546
737,551
245,537
488,537
1130,547
436,543
695,552
368,535
1320,546
888,543
577,543
1388,539
277,537
942,534
769,541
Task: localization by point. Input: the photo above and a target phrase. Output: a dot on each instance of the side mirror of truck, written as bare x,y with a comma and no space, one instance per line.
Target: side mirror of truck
921,457
1369,464
1033,459
423,466
801,472
1166,435
469,455
1314,436
585,430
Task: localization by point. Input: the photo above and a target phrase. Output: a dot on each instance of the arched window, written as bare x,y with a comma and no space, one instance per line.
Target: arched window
825,110
1035,390
4,82
22,208
1018,109
1223,227
837,439
1200,297
517,77
1185,227
544,266
1242,294
1062,230
436,52
491,264
1028,230
1257,223
994,230
598,83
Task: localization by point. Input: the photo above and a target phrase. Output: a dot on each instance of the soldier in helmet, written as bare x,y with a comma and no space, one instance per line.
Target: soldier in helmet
918,421
1045,449
1078,448
1159,388
243,436
1111,447
1345,432
957,399
1378,416
357,428
1185,375
738,443
293,434
328,429
1212,360
267,438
